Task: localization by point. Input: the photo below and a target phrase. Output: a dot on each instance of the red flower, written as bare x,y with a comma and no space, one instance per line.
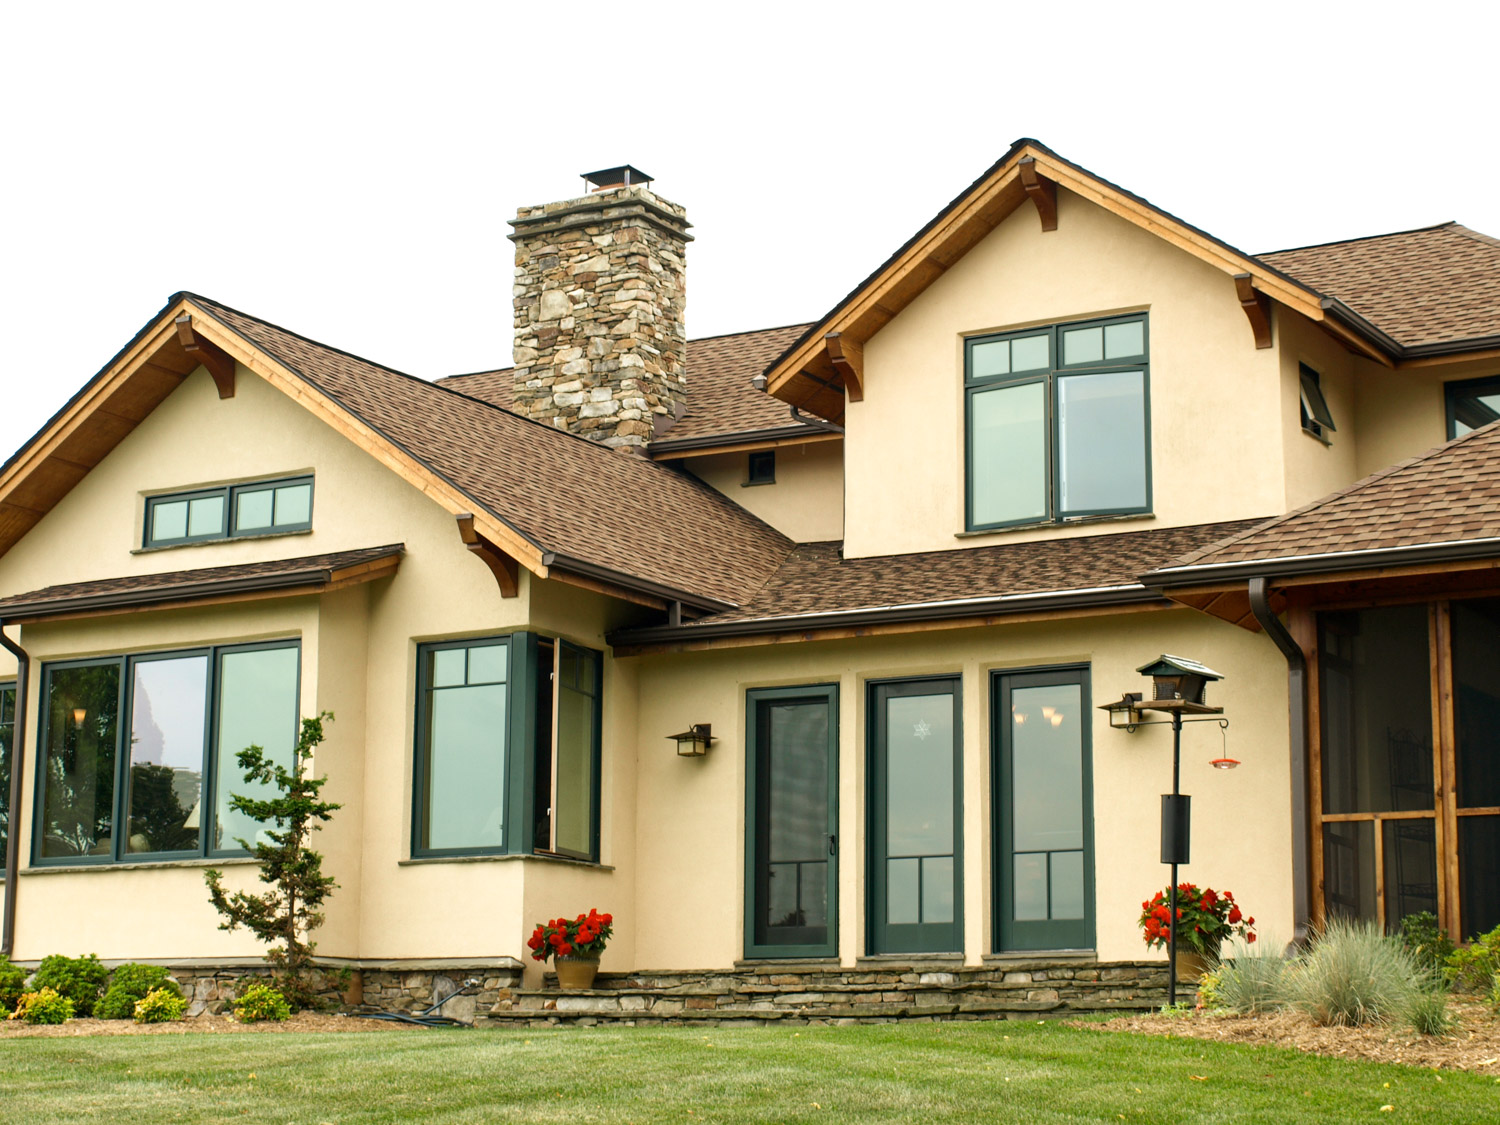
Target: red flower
1250,936
1235,915
1249,921
564,949
607,919
585,935
535,942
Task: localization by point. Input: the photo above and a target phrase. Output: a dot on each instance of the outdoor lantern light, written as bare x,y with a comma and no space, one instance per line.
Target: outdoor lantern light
693,742
79,714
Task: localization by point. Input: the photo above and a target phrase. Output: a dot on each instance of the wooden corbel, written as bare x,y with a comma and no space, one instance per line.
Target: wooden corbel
216,361
1041,191
1257,308
505,569
848,359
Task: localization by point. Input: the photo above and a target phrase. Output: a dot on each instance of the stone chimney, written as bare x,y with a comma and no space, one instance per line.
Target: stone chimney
599,299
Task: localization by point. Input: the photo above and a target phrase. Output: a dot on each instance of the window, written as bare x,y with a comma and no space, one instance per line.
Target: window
7,740
187,715
1317,420
1057,423
761,468
1471,404
507,755
262,508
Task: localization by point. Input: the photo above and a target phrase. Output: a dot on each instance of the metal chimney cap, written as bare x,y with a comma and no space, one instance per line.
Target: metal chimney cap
623,176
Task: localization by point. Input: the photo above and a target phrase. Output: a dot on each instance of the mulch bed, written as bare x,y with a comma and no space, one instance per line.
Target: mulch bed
302,1021
1473,1044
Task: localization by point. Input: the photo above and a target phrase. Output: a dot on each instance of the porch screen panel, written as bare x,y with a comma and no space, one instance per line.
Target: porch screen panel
78,761
1478,873
1476,691
257,705
7,736
168,728
1349,869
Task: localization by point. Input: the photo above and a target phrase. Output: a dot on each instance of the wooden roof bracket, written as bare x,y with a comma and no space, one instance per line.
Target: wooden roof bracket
848,359
505,569
1257,308
216,361
1040,190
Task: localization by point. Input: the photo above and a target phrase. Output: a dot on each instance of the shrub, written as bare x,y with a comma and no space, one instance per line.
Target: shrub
261,1002
1428,1013
1472,967
1426,941
1353,974
130,984
1253,980
160,1005
80,979
46,1005
12,984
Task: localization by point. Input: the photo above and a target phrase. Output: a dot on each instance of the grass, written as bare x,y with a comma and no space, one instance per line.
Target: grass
968,1072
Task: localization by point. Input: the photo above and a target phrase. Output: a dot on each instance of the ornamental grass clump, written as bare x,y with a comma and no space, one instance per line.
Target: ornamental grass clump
1353,975
1250,981
45,1005
583,937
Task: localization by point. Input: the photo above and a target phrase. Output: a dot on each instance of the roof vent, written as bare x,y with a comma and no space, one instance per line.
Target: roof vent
607,178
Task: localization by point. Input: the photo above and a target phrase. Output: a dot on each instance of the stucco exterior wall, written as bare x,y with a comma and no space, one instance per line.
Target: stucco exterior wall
1403,413
1312,468
806,503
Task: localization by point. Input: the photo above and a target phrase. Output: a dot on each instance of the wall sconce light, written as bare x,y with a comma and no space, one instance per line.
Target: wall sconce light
1125,712
693,742
79,715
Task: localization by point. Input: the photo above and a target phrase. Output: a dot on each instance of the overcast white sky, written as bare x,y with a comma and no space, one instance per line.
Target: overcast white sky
347,170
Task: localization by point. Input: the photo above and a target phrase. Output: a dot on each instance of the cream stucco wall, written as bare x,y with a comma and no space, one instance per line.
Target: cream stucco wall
806,503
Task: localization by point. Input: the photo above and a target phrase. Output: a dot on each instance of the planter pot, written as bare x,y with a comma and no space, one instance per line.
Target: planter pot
1191,964
576,973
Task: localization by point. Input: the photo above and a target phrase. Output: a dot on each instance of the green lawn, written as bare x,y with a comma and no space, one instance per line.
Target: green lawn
913,1073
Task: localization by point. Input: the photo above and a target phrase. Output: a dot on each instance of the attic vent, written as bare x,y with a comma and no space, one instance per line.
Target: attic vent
607,178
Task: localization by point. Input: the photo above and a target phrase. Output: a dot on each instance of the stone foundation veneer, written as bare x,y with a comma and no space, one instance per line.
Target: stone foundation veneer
600,296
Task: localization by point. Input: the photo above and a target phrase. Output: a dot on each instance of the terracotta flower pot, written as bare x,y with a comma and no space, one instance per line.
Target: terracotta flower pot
575,974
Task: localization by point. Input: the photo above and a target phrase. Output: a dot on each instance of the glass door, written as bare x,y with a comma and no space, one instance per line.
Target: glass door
916,810
791,856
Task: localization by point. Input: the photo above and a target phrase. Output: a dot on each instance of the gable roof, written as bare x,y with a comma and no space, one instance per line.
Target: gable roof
548,498
1443,505
1437,286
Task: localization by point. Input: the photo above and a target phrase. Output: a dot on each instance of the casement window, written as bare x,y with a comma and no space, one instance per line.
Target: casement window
266,507
761,467
1317,419
7,740
137,756
1057,423
1472,403
507,748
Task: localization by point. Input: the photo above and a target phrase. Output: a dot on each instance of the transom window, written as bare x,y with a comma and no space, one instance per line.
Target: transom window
137,754
1057,426
260,508
1472,403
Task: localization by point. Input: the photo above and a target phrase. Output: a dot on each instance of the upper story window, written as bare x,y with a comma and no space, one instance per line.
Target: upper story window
760,467
137,753
259,508
1472,403
1057,426
1317,419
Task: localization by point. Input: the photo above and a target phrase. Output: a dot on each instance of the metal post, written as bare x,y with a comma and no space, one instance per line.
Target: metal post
1172,894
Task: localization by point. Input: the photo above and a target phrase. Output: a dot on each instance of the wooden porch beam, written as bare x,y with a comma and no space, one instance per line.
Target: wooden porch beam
848,359
1257,308
505,569
1040,190
214,359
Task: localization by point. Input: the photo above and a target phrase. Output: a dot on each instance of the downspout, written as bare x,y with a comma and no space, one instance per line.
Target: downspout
1296,689
13,817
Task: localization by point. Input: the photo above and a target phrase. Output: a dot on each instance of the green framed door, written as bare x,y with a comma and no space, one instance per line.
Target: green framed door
916,813
1043,801
791,817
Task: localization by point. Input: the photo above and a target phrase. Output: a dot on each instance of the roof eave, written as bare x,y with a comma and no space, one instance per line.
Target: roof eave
1290,566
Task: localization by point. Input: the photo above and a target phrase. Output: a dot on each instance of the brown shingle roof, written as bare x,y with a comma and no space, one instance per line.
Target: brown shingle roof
814,582
1438,285
720,399
1449,495
567,495
144,590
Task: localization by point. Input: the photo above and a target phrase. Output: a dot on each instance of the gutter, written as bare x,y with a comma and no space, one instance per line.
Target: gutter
743,437
1458,550
640,585
1352,320
1296,688
17,761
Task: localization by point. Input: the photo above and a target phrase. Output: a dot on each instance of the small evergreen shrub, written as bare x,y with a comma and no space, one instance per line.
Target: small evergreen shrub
1472,967
160,1005
12,984
1253,980
1353,974
46,1005
1426,941
261,1002
129,985
80,979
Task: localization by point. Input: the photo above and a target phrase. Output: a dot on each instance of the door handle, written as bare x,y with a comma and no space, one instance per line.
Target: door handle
833,845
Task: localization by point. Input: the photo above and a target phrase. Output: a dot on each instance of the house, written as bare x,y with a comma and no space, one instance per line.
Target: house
786,647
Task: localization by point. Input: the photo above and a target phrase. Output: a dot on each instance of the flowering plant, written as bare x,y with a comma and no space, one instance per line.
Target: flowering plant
584,936
1204,919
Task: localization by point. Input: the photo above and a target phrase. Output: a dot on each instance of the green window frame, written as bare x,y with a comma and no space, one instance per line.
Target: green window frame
1471,403
103,723
7,743
1040,407
1317,419
231,511
531,763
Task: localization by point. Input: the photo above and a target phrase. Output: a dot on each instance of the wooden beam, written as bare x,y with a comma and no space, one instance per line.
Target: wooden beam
214,359
1257,308
608,589
1041,191
505,569
848,359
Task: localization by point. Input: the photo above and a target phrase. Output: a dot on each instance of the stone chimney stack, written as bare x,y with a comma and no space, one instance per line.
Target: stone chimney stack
599,299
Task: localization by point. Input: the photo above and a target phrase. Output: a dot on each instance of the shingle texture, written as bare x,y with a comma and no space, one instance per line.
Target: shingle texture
141,589
1448,494
565,494
815,580
1439,285
720,399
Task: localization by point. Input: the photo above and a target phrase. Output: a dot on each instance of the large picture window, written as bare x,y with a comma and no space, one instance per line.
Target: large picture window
149,742
1057,423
